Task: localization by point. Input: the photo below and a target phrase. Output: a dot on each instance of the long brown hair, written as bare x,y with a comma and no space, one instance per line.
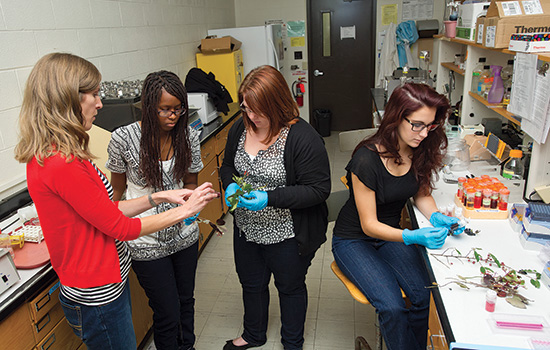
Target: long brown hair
150,147
427,157
51,118
267,94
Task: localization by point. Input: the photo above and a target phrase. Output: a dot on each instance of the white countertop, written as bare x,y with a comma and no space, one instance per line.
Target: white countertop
465,309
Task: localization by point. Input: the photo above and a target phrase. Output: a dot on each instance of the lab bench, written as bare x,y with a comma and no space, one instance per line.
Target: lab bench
461,313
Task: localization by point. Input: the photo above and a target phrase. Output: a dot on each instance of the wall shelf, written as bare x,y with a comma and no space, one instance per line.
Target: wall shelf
453,67
541,56
497,108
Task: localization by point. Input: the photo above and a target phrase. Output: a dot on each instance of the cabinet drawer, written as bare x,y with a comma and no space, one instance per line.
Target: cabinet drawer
61,337
47,323
221,140
208,151
44,301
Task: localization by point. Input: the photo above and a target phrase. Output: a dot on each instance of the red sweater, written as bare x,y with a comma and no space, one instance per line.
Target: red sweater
79,221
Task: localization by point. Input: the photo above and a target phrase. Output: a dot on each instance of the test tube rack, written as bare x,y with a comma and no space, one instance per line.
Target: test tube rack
481,213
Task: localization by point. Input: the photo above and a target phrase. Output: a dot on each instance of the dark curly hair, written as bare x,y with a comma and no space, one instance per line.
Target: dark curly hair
428,156
150,150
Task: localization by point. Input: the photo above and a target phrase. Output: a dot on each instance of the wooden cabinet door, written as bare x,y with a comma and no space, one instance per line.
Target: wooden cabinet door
213,210
142,315
222,191
16,331
436,336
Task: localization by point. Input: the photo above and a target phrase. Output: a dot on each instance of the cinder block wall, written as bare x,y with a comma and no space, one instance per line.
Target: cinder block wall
124,39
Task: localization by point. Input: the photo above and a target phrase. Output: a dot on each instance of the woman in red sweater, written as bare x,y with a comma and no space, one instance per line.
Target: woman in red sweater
83,227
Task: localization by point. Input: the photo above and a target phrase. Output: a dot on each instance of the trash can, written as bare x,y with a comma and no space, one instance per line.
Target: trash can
322,121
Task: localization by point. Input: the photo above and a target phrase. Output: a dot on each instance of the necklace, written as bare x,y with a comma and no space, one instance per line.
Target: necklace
163,145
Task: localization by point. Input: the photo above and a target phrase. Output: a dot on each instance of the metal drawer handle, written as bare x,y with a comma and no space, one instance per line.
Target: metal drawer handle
38,327
52,338
39,307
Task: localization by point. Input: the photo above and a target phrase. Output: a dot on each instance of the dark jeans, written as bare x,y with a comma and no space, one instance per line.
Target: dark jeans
255,263
379,269
105,327
169,284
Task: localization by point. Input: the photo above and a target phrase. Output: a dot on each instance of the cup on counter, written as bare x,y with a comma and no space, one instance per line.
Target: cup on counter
5,242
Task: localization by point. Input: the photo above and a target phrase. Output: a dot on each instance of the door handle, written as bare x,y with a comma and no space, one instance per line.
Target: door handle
318,73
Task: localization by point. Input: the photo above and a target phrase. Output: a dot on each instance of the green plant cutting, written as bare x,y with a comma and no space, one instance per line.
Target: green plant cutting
245,188
495,275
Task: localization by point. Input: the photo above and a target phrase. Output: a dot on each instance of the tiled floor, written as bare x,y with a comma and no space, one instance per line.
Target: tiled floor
334,319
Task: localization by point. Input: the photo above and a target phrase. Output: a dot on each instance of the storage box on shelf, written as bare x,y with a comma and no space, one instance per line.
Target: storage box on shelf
474,107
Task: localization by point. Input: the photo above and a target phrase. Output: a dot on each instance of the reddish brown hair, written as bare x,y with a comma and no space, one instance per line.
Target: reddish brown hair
267,94
428,156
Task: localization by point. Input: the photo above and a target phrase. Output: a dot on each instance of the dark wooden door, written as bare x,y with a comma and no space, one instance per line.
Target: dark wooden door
342,40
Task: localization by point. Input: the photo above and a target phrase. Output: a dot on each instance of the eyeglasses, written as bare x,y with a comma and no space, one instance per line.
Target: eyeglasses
245,109
418,127
166,113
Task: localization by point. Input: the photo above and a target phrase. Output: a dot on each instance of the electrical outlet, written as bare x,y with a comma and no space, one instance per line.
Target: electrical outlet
544,193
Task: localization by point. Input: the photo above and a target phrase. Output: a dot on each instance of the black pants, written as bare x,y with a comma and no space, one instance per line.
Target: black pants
255,263
169,284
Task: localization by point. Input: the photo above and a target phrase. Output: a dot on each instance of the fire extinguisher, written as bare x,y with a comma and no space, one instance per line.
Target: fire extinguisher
298,89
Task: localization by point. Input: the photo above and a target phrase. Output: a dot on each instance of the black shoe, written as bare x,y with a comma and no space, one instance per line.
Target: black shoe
230,346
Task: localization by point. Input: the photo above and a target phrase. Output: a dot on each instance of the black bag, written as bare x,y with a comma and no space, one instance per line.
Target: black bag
198,81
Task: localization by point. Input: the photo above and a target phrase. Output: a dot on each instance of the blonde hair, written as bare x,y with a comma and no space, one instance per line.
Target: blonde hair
51,118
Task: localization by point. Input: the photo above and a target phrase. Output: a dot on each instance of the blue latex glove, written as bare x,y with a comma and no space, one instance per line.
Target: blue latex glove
439,220
254,201
429,237
188,221
230,190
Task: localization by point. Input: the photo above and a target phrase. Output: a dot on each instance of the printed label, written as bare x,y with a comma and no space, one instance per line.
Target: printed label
532,7
511,8
490,36
480,34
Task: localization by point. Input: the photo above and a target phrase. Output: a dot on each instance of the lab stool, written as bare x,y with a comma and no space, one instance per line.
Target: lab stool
360,297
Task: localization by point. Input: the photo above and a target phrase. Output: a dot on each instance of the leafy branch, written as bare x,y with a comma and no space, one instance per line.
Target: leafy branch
505,283
245,188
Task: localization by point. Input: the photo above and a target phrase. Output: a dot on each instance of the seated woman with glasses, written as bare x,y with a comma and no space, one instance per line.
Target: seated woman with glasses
162,152
369,246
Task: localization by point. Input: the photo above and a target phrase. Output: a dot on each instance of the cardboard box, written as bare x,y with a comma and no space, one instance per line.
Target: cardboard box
505,18
467,33
468,14
480,30
536,42
467,18
212,45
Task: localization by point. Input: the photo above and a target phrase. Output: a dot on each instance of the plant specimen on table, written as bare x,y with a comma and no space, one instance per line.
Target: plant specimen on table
245,188
495,275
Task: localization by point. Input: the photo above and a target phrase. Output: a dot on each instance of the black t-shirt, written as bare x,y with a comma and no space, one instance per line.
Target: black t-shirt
392,192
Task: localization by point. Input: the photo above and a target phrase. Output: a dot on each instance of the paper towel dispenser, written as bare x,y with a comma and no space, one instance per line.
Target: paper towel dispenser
427,28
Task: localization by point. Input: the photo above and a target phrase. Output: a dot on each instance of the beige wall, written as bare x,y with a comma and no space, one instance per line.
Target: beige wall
257,12
124,39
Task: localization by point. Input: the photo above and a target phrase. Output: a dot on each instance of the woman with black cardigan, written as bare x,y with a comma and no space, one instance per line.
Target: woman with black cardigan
280,224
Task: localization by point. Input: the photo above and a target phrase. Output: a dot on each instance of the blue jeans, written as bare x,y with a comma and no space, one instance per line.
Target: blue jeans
255,263
105,327
169,283
379,269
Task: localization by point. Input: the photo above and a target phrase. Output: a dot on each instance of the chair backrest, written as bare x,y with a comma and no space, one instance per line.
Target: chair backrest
335,202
